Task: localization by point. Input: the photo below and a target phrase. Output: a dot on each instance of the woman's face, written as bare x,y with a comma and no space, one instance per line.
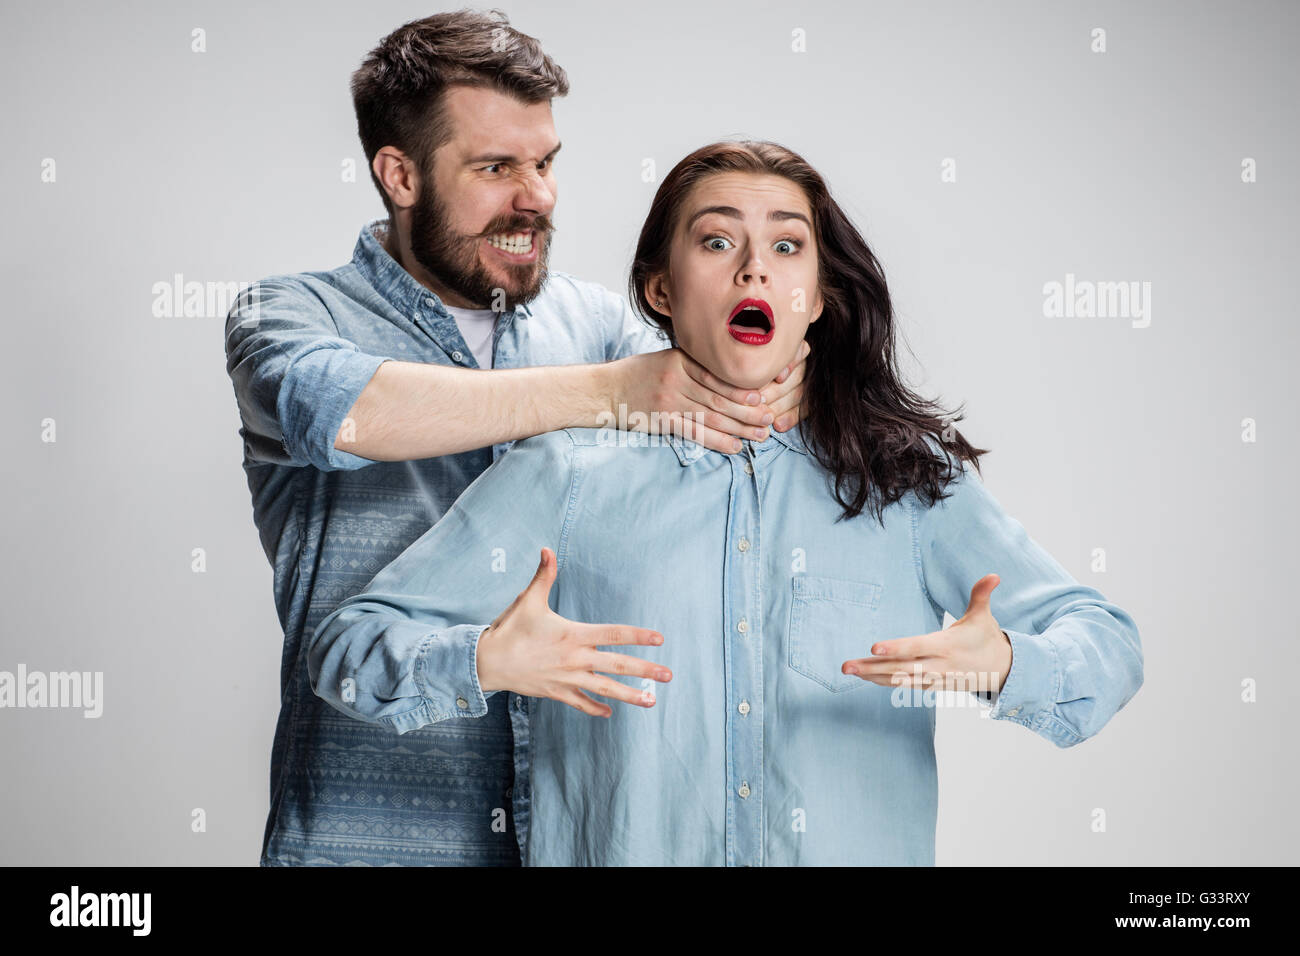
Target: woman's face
743,239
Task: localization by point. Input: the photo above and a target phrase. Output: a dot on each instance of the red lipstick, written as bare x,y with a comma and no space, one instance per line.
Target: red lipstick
759,325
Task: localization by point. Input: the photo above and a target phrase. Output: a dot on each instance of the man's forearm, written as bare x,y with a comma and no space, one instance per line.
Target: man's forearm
410,410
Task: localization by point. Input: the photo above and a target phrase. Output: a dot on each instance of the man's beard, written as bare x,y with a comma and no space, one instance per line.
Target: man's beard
453,259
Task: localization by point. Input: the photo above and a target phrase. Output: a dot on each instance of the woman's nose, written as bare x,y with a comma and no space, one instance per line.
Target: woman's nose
753,268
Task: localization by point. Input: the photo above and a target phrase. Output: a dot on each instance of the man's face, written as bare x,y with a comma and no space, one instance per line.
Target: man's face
481,225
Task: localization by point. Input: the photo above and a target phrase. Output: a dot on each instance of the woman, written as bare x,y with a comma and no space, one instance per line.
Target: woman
792,582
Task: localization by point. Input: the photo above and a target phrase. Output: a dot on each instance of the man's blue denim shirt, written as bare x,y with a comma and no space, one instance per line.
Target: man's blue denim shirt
759,751
300,350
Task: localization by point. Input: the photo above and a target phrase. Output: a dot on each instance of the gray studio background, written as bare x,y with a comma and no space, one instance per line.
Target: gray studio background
1118,166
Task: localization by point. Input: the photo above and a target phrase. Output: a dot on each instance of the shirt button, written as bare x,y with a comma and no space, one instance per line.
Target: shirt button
743,626
743,708
744,789
743,544
749,469
456,356
429,302
1013,711
462,703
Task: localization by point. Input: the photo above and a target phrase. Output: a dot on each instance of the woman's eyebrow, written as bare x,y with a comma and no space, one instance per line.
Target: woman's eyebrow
731,212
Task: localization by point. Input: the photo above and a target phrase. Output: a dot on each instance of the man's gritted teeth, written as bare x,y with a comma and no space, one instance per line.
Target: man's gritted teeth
519,243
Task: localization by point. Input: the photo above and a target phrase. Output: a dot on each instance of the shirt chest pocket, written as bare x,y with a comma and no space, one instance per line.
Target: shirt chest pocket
831,621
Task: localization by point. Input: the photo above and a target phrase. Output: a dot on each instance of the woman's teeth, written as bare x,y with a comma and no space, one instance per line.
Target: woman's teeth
520,243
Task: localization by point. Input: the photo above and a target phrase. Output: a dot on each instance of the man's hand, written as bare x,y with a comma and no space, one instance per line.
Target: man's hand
696,404
531,650
951,659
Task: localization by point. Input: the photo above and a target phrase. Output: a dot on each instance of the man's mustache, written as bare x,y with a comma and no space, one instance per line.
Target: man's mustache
542,225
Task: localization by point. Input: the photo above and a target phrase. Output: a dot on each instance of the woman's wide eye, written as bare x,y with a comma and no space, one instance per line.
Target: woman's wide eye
709,242
791,245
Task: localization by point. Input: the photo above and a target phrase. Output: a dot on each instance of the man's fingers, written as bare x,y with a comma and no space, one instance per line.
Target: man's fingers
625,665
719,411
781,387
745,397
713,439
786,402
713,394
796,365
612,635
710,438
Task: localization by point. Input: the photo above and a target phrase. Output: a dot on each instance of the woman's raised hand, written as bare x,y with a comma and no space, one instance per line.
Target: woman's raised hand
972,654
531,650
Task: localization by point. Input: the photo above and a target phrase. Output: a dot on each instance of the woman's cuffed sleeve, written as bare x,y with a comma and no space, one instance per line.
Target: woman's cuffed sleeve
1076,657
404,651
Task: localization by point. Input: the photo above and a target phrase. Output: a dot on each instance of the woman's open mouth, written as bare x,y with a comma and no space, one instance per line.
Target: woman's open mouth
515,247
751,322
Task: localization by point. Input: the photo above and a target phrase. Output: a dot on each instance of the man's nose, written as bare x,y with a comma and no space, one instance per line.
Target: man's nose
535,195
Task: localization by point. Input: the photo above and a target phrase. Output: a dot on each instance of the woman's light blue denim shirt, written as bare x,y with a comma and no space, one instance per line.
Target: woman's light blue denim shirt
759,751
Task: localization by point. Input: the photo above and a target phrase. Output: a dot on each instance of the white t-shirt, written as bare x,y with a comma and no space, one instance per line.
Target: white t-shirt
476,328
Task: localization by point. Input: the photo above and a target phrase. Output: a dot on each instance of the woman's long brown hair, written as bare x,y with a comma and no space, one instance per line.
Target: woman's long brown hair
875,437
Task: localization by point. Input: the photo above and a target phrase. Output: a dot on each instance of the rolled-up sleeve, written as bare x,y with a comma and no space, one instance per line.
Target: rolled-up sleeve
404,651
295,377
1076,657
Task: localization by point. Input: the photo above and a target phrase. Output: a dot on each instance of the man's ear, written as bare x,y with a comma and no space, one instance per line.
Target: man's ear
398,175
656,292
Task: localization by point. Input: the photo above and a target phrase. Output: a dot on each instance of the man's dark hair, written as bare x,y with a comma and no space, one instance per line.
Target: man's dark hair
398,92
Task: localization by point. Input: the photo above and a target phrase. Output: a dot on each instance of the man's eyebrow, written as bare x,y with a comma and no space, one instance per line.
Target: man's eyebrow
731,212
504,158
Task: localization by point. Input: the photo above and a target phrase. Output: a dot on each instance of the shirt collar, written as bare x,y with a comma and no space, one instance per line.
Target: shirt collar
390,280
689,452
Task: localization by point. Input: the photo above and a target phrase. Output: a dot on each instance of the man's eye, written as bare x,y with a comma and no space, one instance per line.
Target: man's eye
493,167
545,164
710,240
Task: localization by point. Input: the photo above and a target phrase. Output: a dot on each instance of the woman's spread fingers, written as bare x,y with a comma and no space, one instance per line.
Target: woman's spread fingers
625,665
611,635
615,690
580,701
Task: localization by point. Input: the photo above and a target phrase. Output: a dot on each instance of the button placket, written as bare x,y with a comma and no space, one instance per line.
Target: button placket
744,667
